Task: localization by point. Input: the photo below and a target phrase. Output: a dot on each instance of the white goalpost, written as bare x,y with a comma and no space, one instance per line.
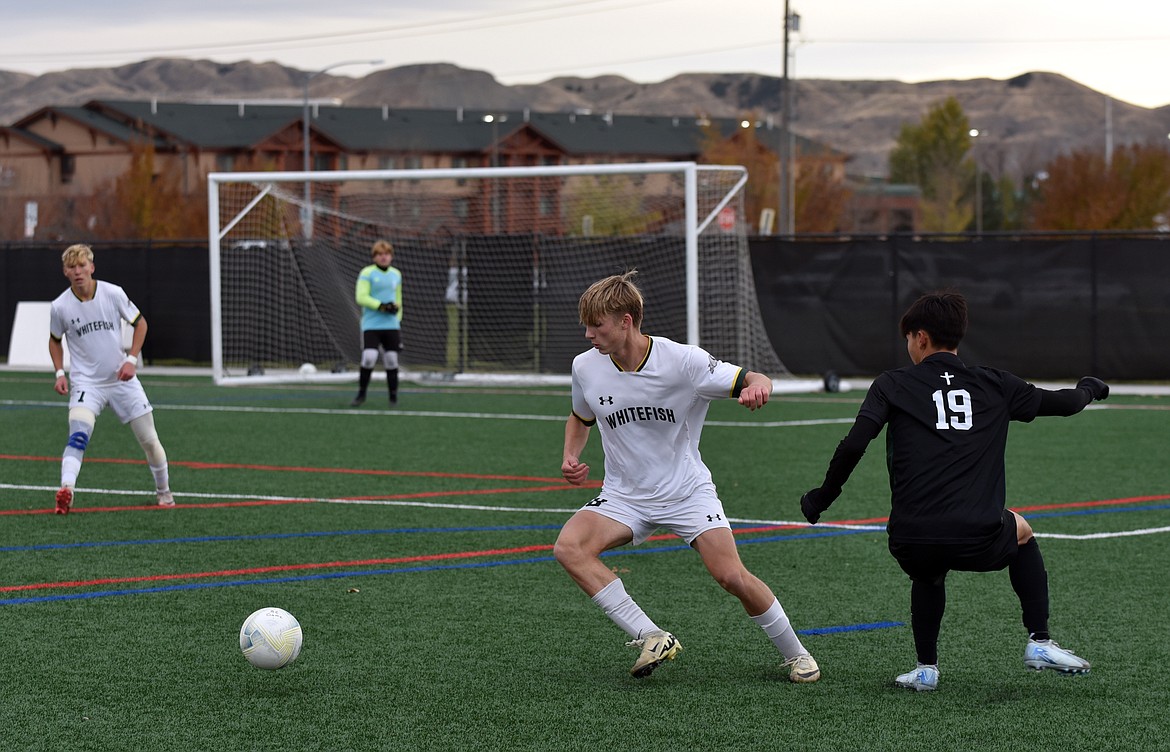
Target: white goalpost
493,261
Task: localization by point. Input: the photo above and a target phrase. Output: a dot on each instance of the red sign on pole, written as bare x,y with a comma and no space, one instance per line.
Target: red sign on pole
727,219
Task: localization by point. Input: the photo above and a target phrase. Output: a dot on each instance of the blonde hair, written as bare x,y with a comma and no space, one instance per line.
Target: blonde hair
381,245
77,254
612,295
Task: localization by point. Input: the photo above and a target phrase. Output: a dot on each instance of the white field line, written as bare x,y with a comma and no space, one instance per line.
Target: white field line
427,414
258,497
803,523
1099,536
528,510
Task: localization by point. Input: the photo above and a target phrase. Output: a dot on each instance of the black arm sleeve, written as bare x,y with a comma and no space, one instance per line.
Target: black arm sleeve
849,453
1063,402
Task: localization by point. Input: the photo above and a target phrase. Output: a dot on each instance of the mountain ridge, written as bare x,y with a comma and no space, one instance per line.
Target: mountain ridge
1025,120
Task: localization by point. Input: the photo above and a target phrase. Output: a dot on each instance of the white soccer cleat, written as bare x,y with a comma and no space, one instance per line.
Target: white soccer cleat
1046,654
166,499
657,647
804,669
922,679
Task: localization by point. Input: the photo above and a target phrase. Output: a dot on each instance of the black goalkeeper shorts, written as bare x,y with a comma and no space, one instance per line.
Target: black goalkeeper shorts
390,340
931,561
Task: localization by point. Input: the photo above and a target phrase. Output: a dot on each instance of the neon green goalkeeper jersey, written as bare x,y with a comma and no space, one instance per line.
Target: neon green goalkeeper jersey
376,286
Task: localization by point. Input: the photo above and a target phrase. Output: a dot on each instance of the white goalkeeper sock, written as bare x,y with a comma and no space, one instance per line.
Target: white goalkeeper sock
775,624
622,610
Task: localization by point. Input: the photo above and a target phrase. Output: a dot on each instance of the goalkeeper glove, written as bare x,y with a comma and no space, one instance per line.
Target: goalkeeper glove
1098,389
814,502
390,307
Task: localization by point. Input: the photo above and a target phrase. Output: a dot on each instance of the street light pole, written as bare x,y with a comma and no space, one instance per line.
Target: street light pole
495,120
306,165
975,133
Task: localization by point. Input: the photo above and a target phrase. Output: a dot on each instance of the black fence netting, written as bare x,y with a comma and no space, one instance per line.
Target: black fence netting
1042,307
1045,307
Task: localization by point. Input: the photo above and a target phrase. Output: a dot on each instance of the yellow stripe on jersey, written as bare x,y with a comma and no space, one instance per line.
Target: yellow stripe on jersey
738,384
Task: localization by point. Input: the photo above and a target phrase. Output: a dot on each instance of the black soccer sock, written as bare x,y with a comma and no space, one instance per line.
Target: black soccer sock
928,601
1030,581
392,383
364,381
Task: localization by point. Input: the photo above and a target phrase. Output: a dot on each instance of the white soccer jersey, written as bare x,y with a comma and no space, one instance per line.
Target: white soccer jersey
650,418
93,329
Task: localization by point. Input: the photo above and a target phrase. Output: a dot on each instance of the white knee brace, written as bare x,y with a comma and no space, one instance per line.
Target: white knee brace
390,359
143,427
369,358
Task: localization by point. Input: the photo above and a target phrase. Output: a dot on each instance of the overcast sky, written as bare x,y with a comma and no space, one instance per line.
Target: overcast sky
1119,48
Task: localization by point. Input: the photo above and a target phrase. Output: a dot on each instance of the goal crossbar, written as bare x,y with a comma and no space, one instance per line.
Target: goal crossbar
229,218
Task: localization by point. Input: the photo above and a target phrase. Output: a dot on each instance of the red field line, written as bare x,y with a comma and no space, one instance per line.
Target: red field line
279,568
291,469
1107,502
150,507
470,554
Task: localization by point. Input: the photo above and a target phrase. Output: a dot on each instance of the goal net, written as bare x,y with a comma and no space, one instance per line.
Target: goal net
493,262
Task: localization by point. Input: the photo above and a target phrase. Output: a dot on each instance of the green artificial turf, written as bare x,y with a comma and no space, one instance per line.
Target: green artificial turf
435,618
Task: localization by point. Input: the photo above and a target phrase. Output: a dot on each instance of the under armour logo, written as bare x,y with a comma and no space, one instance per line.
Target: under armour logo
713,517
605,400
947,375
596,502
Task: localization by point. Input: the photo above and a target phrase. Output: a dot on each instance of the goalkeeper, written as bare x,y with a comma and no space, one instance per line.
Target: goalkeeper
946,433
379,293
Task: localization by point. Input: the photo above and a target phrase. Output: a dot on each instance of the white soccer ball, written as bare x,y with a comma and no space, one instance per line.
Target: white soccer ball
308,369
271,638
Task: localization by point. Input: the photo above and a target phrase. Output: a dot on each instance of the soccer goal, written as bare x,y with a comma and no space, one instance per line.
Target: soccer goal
493,262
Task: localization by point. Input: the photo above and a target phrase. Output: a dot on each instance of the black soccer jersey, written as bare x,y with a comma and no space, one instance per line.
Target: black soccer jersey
946,430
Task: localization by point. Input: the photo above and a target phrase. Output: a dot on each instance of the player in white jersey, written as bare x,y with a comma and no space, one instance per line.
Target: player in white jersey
648,397
90,314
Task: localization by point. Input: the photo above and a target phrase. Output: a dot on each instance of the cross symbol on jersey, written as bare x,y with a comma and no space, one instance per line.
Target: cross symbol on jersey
948,376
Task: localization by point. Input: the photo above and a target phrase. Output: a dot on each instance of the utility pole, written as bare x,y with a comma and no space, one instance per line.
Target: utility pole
787,204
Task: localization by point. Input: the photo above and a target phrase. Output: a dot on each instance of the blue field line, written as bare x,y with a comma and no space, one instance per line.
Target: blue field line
639,551
379,572
1098,510
355,573
278,536
271,580
851,628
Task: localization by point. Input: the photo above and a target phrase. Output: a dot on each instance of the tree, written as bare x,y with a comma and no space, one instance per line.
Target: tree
819,198
743,147
148,202
614,206
934,156
1083,192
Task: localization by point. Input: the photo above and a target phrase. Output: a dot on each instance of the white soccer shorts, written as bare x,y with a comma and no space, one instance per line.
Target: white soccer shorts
688,518
126,398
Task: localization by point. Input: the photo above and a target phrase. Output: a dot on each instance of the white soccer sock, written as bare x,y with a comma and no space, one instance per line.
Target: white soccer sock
70,469
162,480
622,610
775,624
